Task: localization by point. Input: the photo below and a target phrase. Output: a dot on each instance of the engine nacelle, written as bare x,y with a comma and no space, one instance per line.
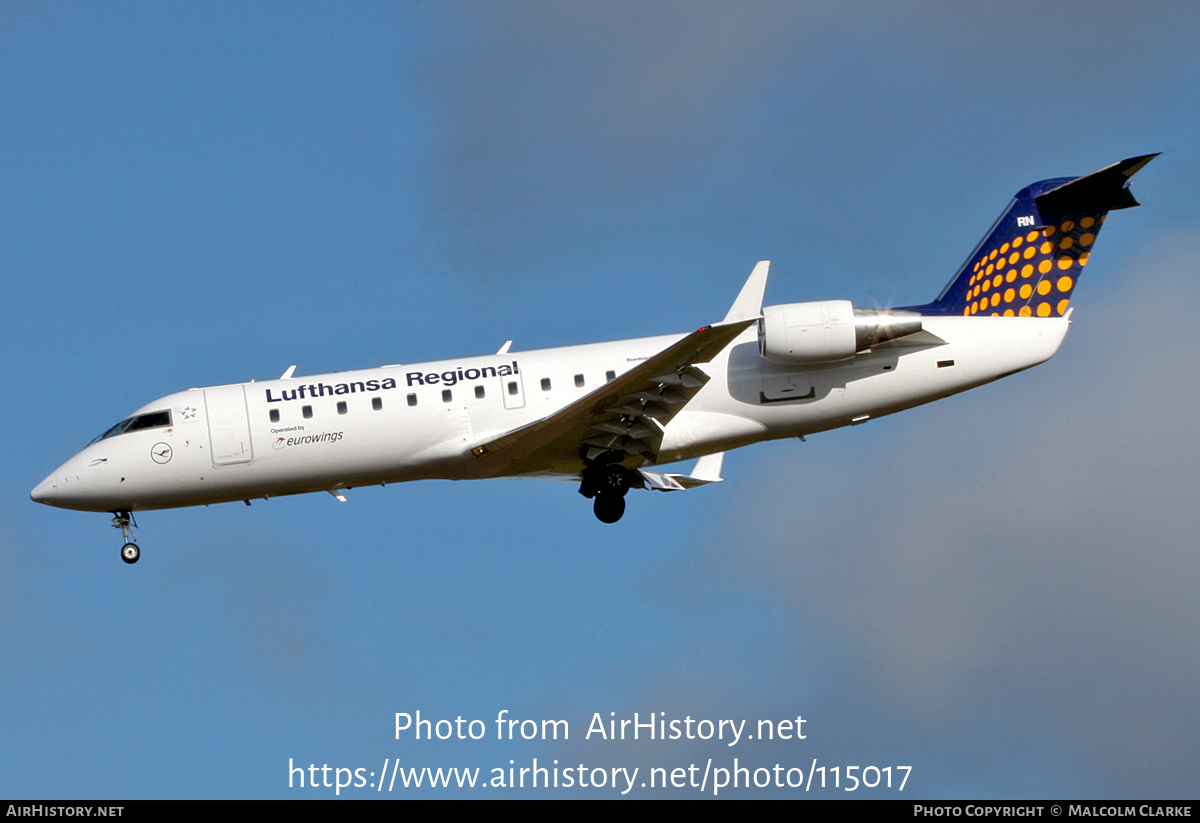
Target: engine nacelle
828,330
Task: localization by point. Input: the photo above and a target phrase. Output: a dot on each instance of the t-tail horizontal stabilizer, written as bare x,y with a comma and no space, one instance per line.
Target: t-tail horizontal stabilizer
707,470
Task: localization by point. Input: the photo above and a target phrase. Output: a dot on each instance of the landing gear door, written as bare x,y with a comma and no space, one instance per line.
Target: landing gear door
513,391
228,425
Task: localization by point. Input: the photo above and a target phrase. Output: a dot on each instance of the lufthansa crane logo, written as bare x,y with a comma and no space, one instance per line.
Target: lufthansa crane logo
160,453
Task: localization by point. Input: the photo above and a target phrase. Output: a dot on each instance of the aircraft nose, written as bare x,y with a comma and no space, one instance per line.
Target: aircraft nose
46,491
82,484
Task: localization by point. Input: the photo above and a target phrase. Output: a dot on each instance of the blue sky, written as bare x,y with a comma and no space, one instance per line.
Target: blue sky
997,589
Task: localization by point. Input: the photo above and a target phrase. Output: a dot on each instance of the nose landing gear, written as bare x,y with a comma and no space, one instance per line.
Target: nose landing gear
125,522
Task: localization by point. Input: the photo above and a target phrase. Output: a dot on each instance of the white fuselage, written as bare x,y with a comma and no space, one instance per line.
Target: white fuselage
223,443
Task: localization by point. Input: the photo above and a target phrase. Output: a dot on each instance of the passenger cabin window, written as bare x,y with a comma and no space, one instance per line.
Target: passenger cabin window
307,412
341,407
610,375
149,420
412,400
545,384
579,381
479,392
274,415
377,403
512,387
447,395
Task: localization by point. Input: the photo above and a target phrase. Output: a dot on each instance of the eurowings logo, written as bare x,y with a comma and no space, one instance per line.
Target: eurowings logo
307,439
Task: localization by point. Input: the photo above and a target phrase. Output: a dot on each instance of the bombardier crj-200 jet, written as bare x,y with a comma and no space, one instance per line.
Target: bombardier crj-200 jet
604,414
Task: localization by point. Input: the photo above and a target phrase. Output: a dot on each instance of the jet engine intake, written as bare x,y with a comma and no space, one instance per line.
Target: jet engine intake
828,330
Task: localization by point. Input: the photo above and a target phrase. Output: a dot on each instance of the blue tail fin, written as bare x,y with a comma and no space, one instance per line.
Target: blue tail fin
1030,261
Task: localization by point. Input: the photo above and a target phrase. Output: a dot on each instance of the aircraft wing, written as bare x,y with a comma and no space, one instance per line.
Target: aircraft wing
625,416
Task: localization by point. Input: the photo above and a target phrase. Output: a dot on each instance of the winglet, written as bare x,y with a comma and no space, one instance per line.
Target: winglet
748,305
290,371
504,348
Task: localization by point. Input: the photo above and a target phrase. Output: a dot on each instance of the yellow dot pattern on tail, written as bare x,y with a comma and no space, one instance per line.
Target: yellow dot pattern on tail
1050,273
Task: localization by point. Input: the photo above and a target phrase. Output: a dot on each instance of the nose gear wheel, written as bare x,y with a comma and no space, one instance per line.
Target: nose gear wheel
124,521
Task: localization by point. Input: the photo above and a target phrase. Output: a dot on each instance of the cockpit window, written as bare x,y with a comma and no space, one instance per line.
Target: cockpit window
149,420
117,429
152,420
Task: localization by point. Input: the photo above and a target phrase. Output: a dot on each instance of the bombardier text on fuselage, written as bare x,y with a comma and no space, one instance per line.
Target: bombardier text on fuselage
607,414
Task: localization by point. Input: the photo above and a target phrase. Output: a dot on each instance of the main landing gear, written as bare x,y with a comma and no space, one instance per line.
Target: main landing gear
607,484
125,522
609,507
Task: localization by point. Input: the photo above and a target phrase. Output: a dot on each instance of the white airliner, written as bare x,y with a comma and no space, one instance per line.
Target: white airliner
604,413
